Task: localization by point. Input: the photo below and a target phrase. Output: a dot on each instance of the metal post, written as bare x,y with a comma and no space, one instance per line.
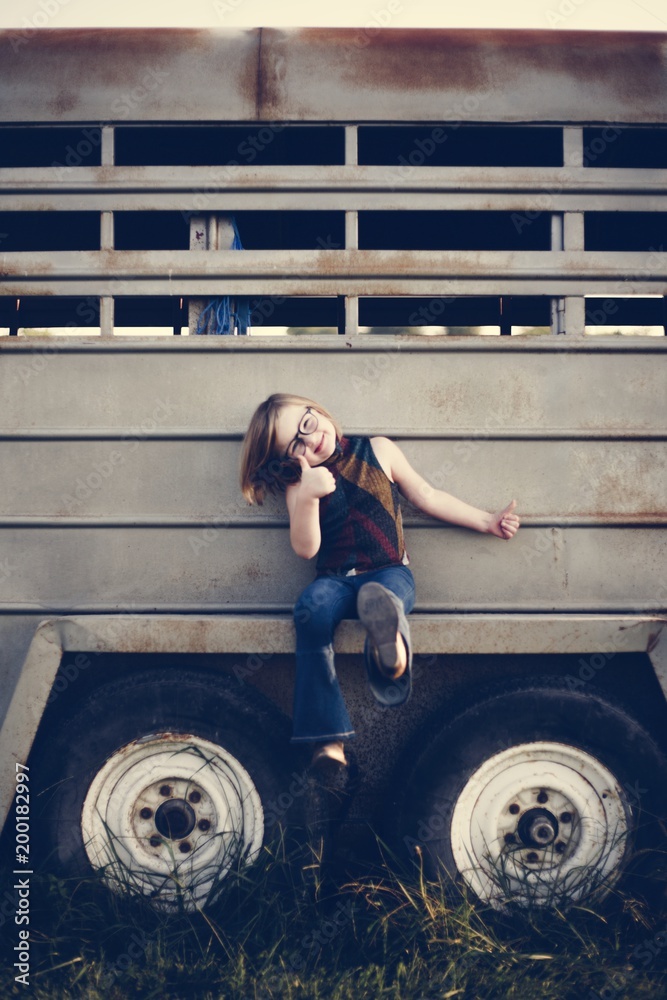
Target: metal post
557,304
106,233
207,232
348,305
568,314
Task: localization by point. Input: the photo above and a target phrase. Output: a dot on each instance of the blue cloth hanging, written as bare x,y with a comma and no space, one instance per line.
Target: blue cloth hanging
218,317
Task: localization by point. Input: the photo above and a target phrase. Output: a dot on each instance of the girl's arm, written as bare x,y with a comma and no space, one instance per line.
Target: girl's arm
303,507
437,503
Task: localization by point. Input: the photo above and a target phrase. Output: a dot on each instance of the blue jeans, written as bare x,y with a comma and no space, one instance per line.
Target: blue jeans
320,713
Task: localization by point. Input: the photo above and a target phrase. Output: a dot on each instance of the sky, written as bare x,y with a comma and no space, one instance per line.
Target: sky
586,15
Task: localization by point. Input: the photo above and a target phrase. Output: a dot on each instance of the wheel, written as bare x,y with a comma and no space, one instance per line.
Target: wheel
165,781
534,794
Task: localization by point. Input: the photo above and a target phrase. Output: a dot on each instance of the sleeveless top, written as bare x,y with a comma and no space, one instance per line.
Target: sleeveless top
360,521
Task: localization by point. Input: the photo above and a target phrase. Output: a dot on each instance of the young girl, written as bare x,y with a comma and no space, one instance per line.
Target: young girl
342,496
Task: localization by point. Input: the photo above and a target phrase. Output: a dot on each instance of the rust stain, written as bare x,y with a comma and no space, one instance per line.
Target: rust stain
472,59
405,59
145,42
63,102
20,270
253,572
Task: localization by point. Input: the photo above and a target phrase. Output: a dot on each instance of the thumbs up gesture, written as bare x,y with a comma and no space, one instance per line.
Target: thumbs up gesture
505,523
316,481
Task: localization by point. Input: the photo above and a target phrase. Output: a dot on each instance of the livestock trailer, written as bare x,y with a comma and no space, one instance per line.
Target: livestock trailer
454,238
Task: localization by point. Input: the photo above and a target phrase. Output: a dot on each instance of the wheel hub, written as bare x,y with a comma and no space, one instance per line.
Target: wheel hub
539,835
537,828
175,819
174,813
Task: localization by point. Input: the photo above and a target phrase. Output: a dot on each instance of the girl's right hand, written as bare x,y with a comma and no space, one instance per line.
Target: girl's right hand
316,481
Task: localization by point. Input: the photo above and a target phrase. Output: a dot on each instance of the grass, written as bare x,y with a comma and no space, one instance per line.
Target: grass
387,934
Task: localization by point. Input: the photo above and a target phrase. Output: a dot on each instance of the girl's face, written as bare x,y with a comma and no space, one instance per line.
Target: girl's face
302,430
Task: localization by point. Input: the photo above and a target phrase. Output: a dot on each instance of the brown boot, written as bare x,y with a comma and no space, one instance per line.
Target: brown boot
378,613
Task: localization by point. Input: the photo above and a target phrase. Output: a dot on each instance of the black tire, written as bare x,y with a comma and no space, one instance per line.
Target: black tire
122,756
482,833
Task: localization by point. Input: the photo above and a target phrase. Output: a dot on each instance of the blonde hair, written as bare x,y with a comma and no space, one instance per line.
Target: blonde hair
262,468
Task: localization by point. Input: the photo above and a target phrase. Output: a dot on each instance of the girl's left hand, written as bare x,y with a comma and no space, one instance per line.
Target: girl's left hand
505,523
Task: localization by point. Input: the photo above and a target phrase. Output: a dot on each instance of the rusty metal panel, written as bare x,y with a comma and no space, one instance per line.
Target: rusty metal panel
265,634
16,634
104,569
575,425
331,188
477,386
332,74
192,481
464,74
126,74
331,272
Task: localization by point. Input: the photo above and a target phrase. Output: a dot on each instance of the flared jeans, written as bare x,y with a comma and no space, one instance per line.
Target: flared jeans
320,712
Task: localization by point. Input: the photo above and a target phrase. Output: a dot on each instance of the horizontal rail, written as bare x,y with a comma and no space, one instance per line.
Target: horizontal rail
443,434
526,609
351,188
455,633
251,520
43,347
332,272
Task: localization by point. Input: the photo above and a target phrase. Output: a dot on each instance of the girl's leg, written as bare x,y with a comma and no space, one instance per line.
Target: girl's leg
388,687
320,713
399,580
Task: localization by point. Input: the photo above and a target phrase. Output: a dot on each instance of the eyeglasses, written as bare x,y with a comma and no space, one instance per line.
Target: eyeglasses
308,425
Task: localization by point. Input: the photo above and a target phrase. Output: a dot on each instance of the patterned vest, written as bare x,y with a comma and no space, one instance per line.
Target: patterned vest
361,520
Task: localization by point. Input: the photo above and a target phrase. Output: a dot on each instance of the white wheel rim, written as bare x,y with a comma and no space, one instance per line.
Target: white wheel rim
168,816
541,822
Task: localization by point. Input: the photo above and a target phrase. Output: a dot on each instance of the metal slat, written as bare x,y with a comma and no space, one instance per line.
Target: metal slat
557,569
329,188
336,272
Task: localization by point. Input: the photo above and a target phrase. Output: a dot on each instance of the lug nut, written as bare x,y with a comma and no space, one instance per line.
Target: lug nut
559,847
514,808
155,841
204,824
184,847
566,817
194,796
165,790
542,797
532,858
146,813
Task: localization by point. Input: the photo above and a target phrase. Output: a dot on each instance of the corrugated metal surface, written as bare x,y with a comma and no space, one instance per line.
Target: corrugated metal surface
71,75
479,386
149,516
148,569
588,477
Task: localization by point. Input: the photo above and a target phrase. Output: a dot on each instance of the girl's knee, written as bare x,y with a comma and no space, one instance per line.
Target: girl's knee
317,611
310,617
